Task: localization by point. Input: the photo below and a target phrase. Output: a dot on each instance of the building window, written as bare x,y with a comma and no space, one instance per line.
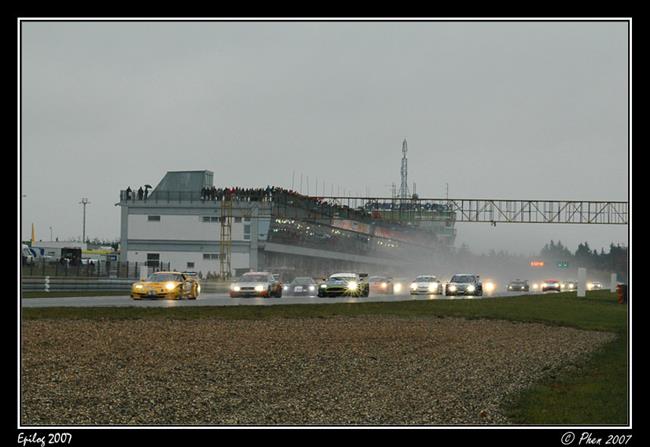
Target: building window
209,256
153,218
237,219
209,219
190,265
153,260
247,219
247,232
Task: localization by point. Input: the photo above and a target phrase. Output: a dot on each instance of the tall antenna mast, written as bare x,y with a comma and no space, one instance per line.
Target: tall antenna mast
404,188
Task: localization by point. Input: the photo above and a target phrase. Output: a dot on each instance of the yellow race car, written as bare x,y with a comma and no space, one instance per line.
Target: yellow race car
169,285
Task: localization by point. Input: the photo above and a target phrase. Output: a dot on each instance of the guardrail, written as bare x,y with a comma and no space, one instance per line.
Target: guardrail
99,269
59,284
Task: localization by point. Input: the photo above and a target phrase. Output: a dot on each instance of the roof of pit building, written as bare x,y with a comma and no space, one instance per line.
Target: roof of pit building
183,181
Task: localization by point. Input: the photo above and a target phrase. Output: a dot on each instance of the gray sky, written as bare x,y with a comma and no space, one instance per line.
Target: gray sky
521,110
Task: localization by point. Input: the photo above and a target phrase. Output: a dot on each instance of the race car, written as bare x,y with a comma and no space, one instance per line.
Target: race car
489,286
170,285
569,286
518,285
262,284
381,284
464,284
594,285
401,285
301,286
551,284
345,284
426,285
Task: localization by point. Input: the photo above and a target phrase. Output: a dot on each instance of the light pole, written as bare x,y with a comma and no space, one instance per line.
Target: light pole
50,234
84,202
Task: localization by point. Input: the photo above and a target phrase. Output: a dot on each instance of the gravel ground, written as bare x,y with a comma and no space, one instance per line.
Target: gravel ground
362,370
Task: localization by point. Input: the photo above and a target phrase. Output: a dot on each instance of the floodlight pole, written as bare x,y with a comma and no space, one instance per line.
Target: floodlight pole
84,202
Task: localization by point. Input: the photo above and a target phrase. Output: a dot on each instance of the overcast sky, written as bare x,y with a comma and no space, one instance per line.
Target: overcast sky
521,110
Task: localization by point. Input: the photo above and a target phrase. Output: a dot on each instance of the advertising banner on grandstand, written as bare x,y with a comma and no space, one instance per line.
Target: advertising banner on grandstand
351,225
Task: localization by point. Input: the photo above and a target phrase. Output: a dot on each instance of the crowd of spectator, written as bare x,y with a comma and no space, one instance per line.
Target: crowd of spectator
284,197
141,194
287,197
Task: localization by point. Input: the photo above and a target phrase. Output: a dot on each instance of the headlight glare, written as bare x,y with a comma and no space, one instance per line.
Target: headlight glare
259,288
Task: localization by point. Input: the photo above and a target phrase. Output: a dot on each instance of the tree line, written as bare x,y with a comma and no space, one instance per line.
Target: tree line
615,260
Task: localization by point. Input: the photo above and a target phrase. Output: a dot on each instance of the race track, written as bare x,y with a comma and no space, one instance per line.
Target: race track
222,299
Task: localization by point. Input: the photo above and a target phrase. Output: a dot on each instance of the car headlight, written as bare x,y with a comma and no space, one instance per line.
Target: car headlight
397,288
259,288
570,286
433,287
414,286
235,288
352,285
322,286
138,286
471,288
589,285
169,286
452,288
285,288
312,288
489,286
535,286
198,288
384,285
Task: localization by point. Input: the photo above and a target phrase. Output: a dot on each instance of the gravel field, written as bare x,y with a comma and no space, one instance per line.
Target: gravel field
361,370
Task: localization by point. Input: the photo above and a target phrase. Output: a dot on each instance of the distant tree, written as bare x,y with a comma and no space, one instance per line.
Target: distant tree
553,252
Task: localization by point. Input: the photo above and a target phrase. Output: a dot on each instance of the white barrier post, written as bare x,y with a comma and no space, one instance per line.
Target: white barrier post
47,284
582,281
144,272
613,283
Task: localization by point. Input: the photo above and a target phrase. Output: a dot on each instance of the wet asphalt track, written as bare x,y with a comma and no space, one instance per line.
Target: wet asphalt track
222,299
